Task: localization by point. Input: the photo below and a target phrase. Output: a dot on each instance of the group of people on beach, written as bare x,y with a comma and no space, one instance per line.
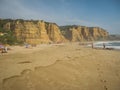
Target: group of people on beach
103,45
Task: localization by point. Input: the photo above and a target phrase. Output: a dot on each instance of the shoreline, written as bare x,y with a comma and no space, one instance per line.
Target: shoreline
106,45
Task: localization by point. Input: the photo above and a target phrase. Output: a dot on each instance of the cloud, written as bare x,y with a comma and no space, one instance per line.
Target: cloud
16,9
76,21
82,22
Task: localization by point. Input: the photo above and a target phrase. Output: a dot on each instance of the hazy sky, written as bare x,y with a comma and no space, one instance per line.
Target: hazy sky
102,13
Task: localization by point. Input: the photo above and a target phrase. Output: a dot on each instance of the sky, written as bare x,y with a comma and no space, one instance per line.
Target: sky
91,13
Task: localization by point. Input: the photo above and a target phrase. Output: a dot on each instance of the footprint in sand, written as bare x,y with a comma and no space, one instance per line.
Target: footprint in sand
24,62
105,88
68,57
98,69
103,81
117,75
100,72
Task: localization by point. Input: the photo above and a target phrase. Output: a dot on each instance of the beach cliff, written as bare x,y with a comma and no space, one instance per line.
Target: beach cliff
82,33
39,31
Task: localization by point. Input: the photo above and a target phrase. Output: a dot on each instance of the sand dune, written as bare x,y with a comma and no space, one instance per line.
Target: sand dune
60,67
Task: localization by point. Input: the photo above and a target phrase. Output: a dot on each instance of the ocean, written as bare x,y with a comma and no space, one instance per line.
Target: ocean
108,44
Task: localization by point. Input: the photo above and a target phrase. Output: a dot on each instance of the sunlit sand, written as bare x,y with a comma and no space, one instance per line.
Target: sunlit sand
67,66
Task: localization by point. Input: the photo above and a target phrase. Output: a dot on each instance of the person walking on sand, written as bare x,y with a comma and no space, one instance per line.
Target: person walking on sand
103,45
92,45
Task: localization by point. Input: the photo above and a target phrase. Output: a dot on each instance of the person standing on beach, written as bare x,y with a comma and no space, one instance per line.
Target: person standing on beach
6,49
92,45
103,45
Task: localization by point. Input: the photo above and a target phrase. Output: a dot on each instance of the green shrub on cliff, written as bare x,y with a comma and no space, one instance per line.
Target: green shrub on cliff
8,37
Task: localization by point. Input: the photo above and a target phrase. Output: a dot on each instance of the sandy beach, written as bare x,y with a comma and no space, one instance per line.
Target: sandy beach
68,66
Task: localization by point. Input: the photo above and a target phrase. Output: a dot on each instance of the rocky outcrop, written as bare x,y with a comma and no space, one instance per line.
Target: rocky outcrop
83,33
7,26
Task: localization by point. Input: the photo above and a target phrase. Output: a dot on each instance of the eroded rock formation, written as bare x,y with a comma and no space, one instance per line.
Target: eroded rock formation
54,33
36,32
83,33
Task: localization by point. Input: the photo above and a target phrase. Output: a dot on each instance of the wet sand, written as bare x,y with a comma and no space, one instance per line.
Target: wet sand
60,67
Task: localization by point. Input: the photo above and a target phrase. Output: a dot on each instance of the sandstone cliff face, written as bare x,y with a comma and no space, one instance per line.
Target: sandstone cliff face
35,32
76,34
43,32
39,32
82,33
28,32
97,33
54,33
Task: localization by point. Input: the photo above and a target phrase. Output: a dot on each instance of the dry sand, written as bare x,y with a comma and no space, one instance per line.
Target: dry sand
60,67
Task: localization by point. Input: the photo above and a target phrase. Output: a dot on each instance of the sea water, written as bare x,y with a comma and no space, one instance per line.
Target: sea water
108,44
